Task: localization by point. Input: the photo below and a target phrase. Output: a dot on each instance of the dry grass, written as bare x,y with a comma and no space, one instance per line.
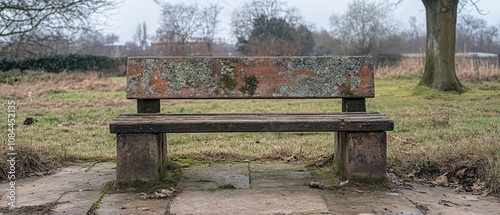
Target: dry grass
468,70
33,85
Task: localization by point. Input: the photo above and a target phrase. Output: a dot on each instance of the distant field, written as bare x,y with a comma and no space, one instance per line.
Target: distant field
434,132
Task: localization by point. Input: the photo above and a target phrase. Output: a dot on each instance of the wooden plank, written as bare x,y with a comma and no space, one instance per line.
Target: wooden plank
247,77
194,123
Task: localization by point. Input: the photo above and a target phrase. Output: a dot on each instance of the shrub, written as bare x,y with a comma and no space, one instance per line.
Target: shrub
60,63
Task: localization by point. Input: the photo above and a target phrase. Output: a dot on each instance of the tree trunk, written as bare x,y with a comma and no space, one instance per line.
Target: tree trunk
439,71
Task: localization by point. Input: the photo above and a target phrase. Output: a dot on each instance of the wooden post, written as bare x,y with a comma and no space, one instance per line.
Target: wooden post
153,106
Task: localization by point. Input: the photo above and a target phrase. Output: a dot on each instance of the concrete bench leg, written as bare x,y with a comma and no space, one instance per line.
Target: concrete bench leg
361,154
140,156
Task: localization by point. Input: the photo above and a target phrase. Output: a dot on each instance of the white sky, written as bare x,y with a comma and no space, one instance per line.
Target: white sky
317,12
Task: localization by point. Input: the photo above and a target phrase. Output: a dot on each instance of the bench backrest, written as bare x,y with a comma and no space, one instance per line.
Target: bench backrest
249,77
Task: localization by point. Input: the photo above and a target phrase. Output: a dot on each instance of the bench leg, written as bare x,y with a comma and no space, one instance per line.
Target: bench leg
139,157
361,154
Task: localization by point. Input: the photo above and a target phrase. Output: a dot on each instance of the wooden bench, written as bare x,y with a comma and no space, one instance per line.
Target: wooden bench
360,141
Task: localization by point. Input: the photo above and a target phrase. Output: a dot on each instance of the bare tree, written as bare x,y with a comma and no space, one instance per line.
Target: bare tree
22,20
474,34
178,24
181,24
35,43
95,42
325,43
363,25
416,35
141,36
209,20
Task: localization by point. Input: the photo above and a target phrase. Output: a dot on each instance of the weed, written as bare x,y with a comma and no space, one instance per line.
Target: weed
226,186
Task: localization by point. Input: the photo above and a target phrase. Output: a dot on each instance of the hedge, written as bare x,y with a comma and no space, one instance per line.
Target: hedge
63,62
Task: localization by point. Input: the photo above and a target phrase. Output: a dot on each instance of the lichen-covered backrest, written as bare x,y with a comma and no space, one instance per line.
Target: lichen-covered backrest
249,77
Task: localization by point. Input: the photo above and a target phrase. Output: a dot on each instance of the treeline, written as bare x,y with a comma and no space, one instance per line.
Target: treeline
259,27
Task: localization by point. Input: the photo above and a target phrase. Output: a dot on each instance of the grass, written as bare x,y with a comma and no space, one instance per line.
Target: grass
434,131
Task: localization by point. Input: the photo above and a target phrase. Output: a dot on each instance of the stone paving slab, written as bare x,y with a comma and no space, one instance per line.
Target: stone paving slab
131,203
213,176
78,202
263,188
70,190
39,191
249,201
279,175
353,201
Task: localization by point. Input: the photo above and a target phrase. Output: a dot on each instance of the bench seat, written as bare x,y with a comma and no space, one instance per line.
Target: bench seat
203,123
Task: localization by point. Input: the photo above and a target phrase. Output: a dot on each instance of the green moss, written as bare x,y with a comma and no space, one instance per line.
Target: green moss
227,66
326,175
250,86
227,81
95,206
331,176
338,167
373,183
226,187
169,178
346,90
182,162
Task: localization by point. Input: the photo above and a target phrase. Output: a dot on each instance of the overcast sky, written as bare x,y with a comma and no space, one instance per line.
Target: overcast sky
317,12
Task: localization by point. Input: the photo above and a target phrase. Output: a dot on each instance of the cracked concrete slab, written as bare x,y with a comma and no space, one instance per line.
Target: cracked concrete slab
50,188
279,175
213,176
263,188
249,201
38,191
351,201
131,203
79,202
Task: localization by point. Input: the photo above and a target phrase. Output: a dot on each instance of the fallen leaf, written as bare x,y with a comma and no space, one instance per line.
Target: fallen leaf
442,180
314,184
290,159
447,203
478,185
461,173
159,194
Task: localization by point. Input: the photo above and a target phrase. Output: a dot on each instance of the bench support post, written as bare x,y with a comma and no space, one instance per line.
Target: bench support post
141,156
359,153
365,154
154,106
137,157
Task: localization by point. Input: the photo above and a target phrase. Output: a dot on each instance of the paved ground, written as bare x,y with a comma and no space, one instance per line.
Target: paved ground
260,188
